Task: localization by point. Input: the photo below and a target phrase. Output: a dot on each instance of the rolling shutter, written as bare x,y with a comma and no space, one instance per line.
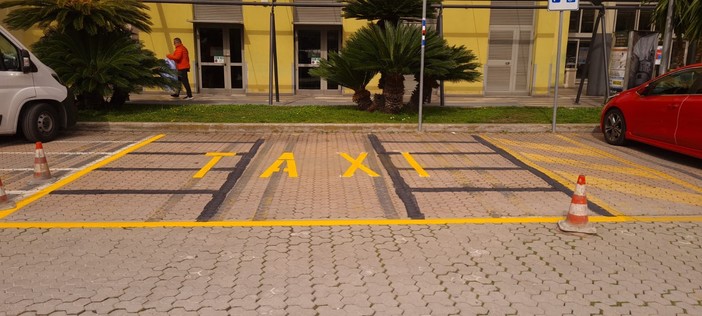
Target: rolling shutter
317,15
218,13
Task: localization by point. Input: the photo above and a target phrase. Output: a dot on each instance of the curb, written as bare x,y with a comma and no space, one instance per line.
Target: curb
331,128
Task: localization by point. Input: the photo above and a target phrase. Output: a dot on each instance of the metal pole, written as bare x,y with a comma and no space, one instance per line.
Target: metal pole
421,63
270,58
440,22
558,69
275,54
667,39
585,72
604,55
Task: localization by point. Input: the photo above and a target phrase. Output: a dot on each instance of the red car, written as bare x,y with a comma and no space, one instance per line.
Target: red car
665,112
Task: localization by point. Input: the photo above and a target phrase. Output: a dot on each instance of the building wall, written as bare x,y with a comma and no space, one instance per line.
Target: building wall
171,21
545,50
468,27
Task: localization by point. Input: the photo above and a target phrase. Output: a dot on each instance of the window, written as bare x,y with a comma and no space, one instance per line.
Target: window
10,57
679,83
626,20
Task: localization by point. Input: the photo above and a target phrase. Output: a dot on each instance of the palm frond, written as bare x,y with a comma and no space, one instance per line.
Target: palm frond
91,16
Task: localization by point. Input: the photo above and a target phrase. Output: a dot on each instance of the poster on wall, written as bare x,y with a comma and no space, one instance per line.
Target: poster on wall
619,57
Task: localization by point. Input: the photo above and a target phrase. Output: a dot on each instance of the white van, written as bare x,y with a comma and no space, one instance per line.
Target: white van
33,101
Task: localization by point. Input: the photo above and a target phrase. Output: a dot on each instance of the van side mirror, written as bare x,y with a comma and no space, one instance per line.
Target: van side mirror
26,62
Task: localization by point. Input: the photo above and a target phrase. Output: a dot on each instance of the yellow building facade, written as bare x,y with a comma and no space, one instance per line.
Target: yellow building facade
230,45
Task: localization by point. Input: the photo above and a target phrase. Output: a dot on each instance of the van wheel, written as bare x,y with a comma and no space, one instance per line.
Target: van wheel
40,123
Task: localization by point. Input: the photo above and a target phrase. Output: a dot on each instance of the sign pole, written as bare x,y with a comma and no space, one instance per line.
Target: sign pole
421,63
560,6
558,70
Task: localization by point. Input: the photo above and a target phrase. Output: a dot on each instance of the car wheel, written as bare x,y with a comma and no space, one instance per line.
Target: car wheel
40,123
614,127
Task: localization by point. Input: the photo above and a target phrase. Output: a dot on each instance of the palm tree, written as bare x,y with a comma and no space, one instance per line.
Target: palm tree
341,71
449,63
392,50
89,45
386,11
90,16
686,23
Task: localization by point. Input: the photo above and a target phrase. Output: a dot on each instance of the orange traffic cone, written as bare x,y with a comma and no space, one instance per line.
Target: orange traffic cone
576,220
5,203
41,166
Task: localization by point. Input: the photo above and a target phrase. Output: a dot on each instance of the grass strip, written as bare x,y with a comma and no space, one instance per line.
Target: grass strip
249,113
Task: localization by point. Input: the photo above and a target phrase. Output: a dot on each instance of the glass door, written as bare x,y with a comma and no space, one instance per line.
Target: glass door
312,46
220,59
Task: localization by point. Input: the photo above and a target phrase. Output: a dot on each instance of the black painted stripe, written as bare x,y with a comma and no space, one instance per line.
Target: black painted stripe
213,205
476,189
444,153
171,153
202,142
467,168
594,207
429,142
141,192
167,153
160,169
401,187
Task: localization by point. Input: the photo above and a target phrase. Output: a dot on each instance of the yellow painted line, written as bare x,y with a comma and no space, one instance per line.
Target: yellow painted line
215,159
591,166
357,164
75,176
549,147
642,190
347,222
420,171
658,173
556,177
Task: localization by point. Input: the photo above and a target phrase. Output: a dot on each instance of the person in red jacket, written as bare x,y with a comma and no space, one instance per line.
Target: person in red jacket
182,61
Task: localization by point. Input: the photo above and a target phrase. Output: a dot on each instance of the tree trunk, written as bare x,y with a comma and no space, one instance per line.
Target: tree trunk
393,92
362,99
91,100
119,97
429,84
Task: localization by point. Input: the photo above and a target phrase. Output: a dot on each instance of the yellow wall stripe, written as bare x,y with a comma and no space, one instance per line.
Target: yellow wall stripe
75,176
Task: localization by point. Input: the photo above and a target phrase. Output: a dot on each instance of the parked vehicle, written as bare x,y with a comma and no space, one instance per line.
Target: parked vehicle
665,112
33,101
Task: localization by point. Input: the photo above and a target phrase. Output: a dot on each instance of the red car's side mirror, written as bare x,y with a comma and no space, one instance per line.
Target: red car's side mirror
643,90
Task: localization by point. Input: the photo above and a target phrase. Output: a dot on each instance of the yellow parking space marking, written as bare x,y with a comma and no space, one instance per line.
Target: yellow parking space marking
291,167
75,176
502,144
346,222
642,190
550,147
591,166
420,171
658,173
357,164
216,157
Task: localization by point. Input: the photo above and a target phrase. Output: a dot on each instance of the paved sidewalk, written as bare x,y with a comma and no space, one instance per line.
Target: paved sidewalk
211,245
511,269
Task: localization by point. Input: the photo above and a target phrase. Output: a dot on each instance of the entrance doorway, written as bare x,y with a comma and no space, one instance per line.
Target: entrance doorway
221,64
508,61
313,45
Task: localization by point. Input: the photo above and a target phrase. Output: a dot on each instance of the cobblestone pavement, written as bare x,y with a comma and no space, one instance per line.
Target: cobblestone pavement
175,221
509,269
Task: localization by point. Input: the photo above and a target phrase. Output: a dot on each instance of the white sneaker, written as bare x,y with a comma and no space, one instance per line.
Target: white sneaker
188,98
